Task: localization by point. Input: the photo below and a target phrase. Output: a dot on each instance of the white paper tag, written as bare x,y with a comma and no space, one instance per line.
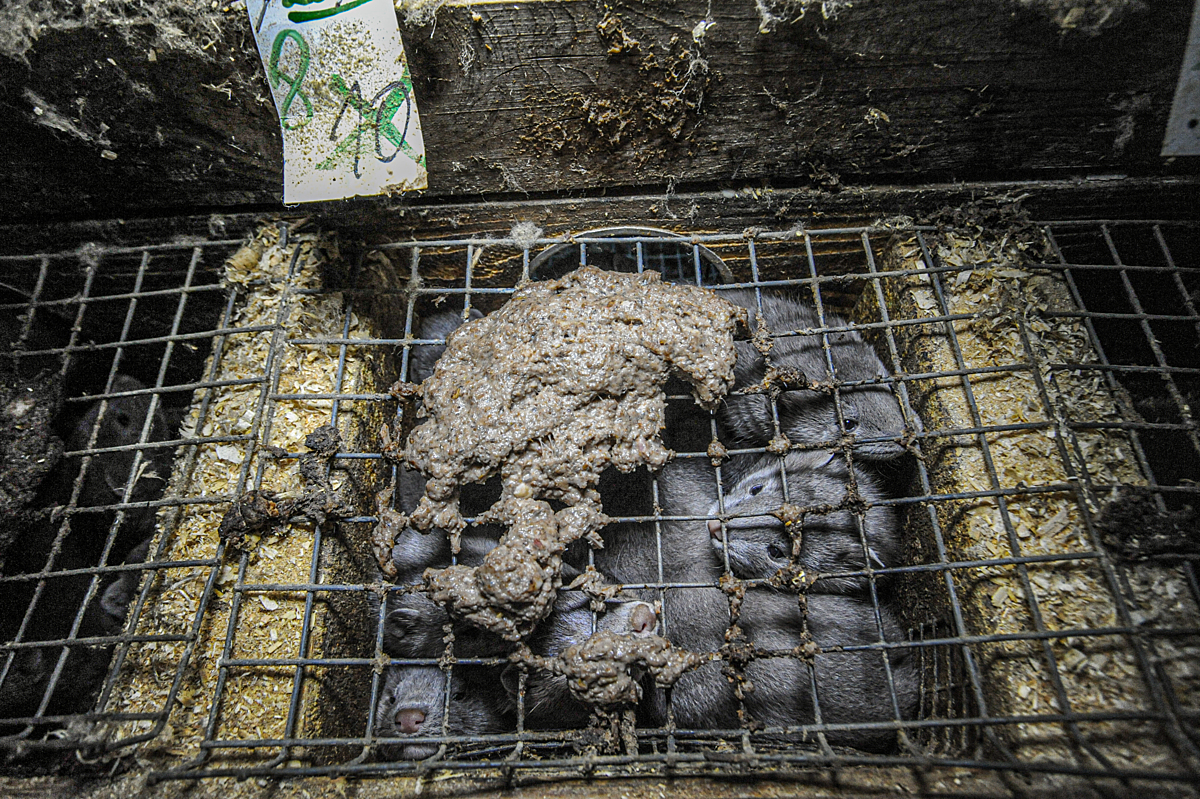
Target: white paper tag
1183,126
340,80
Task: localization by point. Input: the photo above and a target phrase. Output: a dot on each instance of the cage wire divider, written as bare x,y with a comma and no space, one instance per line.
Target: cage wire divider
953,727
147,426
383,591
1006,519
254,435
130,480
153,562
1054,412
1161,691
314,565
926,491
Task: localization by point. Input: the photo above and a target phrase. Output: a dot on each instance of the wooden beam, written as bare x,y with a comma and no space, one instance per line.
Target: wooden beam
116,116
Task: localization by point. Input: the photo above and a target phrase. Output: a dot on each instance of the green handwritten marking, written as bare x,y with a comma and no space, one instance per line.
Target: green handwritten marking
376,121
276,75
351,145
309,16
405,83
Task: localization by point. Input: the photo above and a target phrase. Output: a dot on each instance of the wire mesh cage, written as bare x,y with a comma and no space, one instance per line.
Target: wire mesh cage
1001,576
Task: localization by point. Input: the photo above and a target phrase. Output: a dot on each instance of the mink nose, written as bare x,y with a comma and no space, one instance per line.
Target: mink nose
714,529
643,619
410,719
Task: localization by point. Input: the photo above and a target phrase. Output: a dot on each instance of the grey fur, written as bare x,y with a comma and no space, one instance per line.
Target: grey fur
423,357
871,413
851,687
122,425
414,625
631,554
109,473
759,544
31,680
549,703
415,697
118,596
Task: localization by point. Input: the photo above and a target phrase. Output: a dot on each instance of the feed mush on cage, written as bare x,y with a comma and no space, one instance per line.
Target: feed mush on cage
561,382
386,531
604,669
256,511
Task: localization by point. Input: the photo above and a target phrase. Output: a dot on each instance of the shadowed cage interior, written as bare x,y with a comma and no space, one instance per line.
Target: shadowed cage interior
1044,584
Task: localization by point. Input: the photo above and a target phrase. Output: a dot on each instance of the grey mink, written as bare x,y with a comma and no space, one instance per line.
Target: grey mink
125,419
412,705
871,413
414,625
436,327
30,672
631,554
109,473
850,687
844,539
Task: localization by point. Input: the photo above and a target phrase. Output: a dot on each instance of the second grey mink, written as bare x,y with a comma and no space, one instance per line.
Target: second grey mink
849,687
549,703
412,705
413,624
109,474
77,546
688,541
844,539
680,543
871,414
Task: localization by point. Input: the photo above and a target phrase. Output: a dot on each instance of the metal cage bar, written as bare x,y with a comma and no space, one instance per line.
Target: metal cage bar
957,724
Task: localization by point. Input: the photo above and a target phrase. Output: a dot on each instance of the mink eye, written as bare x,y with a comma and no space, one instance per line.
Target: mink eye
776,552
851,424
755,490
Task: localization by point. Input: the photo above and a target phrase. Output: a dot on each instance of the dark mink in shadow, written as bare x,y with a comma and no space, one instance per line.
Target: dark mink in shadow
871,416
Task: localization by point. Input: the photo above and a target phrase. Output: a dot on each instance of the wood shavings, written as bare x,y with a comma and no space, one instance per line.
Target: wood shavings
255,700
1001,299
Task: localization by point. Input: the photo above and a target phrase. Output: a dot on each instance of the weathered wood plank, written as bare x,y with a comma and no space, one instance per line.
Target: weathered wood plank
682,211
540,97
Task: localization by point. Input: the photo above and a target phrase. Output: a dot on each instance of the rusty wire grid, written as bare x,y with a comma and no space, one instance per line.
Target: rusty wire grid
1047,588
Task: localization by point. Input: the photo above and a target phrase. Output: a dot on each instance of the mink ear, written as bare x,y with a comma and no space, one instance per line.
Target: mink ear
510,678
403,620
